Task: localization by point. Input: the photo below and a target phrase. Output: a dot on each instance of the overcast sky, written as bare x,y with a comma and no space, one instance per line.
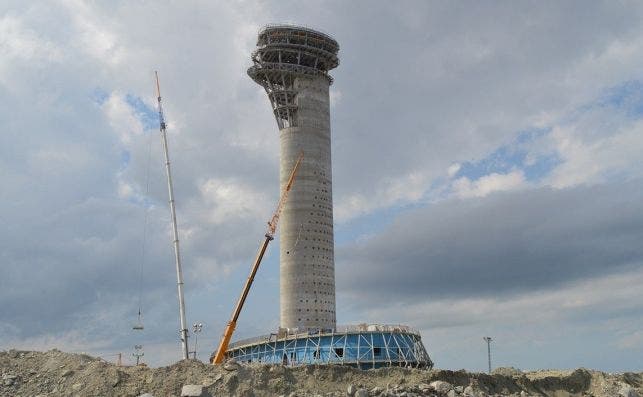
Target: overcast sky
486,159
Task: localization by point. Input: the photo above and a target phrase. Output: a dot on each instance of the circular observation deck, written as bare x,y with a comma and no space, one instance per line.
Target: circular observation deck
285,52
287,49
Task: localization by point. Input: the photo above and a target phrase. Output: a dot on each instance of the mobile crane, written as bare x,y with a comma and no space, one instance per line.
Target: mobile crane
269,236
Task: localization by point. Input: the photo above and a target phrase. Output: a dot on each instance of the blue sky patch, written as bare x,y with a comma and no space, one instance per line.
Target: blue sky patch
627,97
125,158
99,95
512,156
541,167
147,115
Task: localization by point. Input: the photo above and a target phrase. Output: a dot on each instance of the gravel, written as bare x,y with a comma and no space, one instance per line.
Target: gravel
54,373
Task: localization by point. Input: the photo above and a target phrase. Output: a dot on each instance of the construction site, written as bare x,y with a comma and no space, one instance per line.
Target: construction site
292,64
325,199
309,354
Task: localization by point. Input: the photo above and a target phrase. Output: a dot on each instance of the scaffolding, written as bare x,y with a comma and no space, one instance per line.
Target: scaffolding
364,347
284,53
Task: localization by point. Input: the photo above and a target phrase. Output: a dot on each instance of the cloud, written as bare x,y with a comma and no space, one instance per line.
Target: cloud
453,169
632,341
498,244
493,182
590,299
229,200
593,317
122,118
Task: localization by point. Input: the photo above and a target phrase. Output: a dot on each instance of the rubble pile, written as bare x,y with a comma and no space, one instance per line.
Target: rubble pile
54,373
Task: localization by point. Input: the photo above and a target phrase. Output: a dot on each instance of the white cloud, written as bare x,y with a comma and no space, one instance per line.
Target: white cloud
591,156
125,190
393,191
464,187
122,118
23,47
634,340
95,38
229,199
595,312
453,169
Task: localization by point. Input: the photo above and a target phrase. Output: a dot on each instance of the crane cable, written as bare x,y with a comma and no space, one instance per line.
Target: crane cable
139,325
294,247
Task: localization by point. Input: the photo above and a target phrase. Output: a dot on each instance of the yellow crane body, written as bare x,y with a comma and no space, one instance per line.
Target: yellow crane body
269,236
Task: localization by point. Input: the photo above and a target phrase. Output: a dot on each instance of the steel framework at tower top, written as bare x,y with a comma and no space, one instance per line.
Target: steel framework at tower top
284,52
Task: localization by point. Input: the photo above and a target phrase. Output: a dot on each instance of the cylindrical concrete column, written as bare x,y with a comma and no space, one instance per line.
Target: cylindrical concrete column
306,234
291,63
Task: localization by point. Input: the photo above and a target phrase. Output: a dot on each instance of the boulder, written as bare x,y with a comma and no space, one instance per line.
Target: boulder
231,365
194,391
361,393
627,391
441,386
424,387
470,391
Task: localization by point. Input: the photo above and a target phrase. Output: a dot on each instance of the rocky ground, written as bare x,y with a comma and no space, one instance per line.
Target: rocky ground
55,373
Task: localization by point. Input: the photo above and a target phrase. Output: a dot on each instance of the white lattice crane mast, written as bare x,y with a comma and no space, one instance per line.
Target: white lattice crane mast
183,332
269,236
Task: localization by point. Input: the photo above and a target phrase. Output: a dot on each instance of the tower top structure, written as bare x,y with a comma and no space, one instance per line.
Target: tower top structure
285,52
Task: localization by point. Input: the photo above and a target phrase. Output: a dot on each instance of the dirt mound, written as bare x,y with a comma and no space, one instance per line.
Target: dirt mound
55,373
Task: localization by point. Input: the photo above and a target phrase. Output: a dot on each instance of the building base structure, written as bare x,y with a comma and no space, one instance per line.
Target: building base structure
361,346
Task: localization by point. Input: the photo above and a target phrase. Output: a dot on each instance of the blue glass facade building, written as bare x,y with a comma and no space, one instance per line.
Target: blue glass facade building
364,347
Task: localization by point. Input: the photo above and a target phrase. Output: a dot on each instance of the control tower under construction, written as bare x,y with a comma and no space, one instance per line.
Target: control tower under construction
292,63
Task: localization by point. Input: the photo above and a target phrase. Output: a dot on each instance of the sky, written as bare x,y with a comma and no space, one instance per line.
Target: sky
486,161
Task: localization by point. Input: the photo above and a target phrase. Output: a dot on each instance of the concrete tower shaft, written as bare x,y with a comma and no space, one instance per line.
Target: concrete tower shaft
292,65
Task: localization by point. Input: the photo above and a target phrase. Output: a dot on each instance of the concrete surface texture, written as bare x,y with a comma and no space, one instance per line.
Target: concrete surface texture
292,64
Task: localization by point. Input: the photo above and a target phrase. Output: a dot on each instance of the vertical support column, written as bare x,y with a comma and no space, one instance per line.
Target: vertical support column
307,268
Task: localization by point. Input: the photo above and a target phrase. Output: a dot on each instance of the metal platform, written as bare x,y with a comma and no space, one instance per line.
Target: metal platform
362,346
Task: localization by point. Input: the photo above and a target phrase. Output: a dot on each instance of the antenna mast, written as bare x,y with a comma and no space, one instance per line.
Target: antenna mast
179,272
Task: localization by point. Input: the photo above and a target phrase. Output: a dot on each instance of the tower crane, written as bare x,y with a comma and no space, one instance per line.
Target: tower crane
269,236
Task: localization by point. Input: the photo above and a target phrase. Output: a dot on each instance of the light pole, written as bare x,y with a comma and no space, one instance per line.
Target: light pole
138,353
488,340
196,329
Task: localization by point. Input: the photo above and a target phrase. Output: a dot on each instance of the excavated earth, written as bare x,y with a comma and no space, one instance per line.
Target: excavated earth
54,373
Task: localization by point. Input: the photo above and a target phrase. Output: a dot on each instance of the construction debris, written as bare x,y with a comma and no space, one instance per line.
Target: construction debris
54,373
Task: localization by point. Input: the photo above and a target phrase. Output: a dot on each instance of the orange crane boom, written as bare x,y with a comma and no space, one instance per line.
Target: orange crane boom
270,233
